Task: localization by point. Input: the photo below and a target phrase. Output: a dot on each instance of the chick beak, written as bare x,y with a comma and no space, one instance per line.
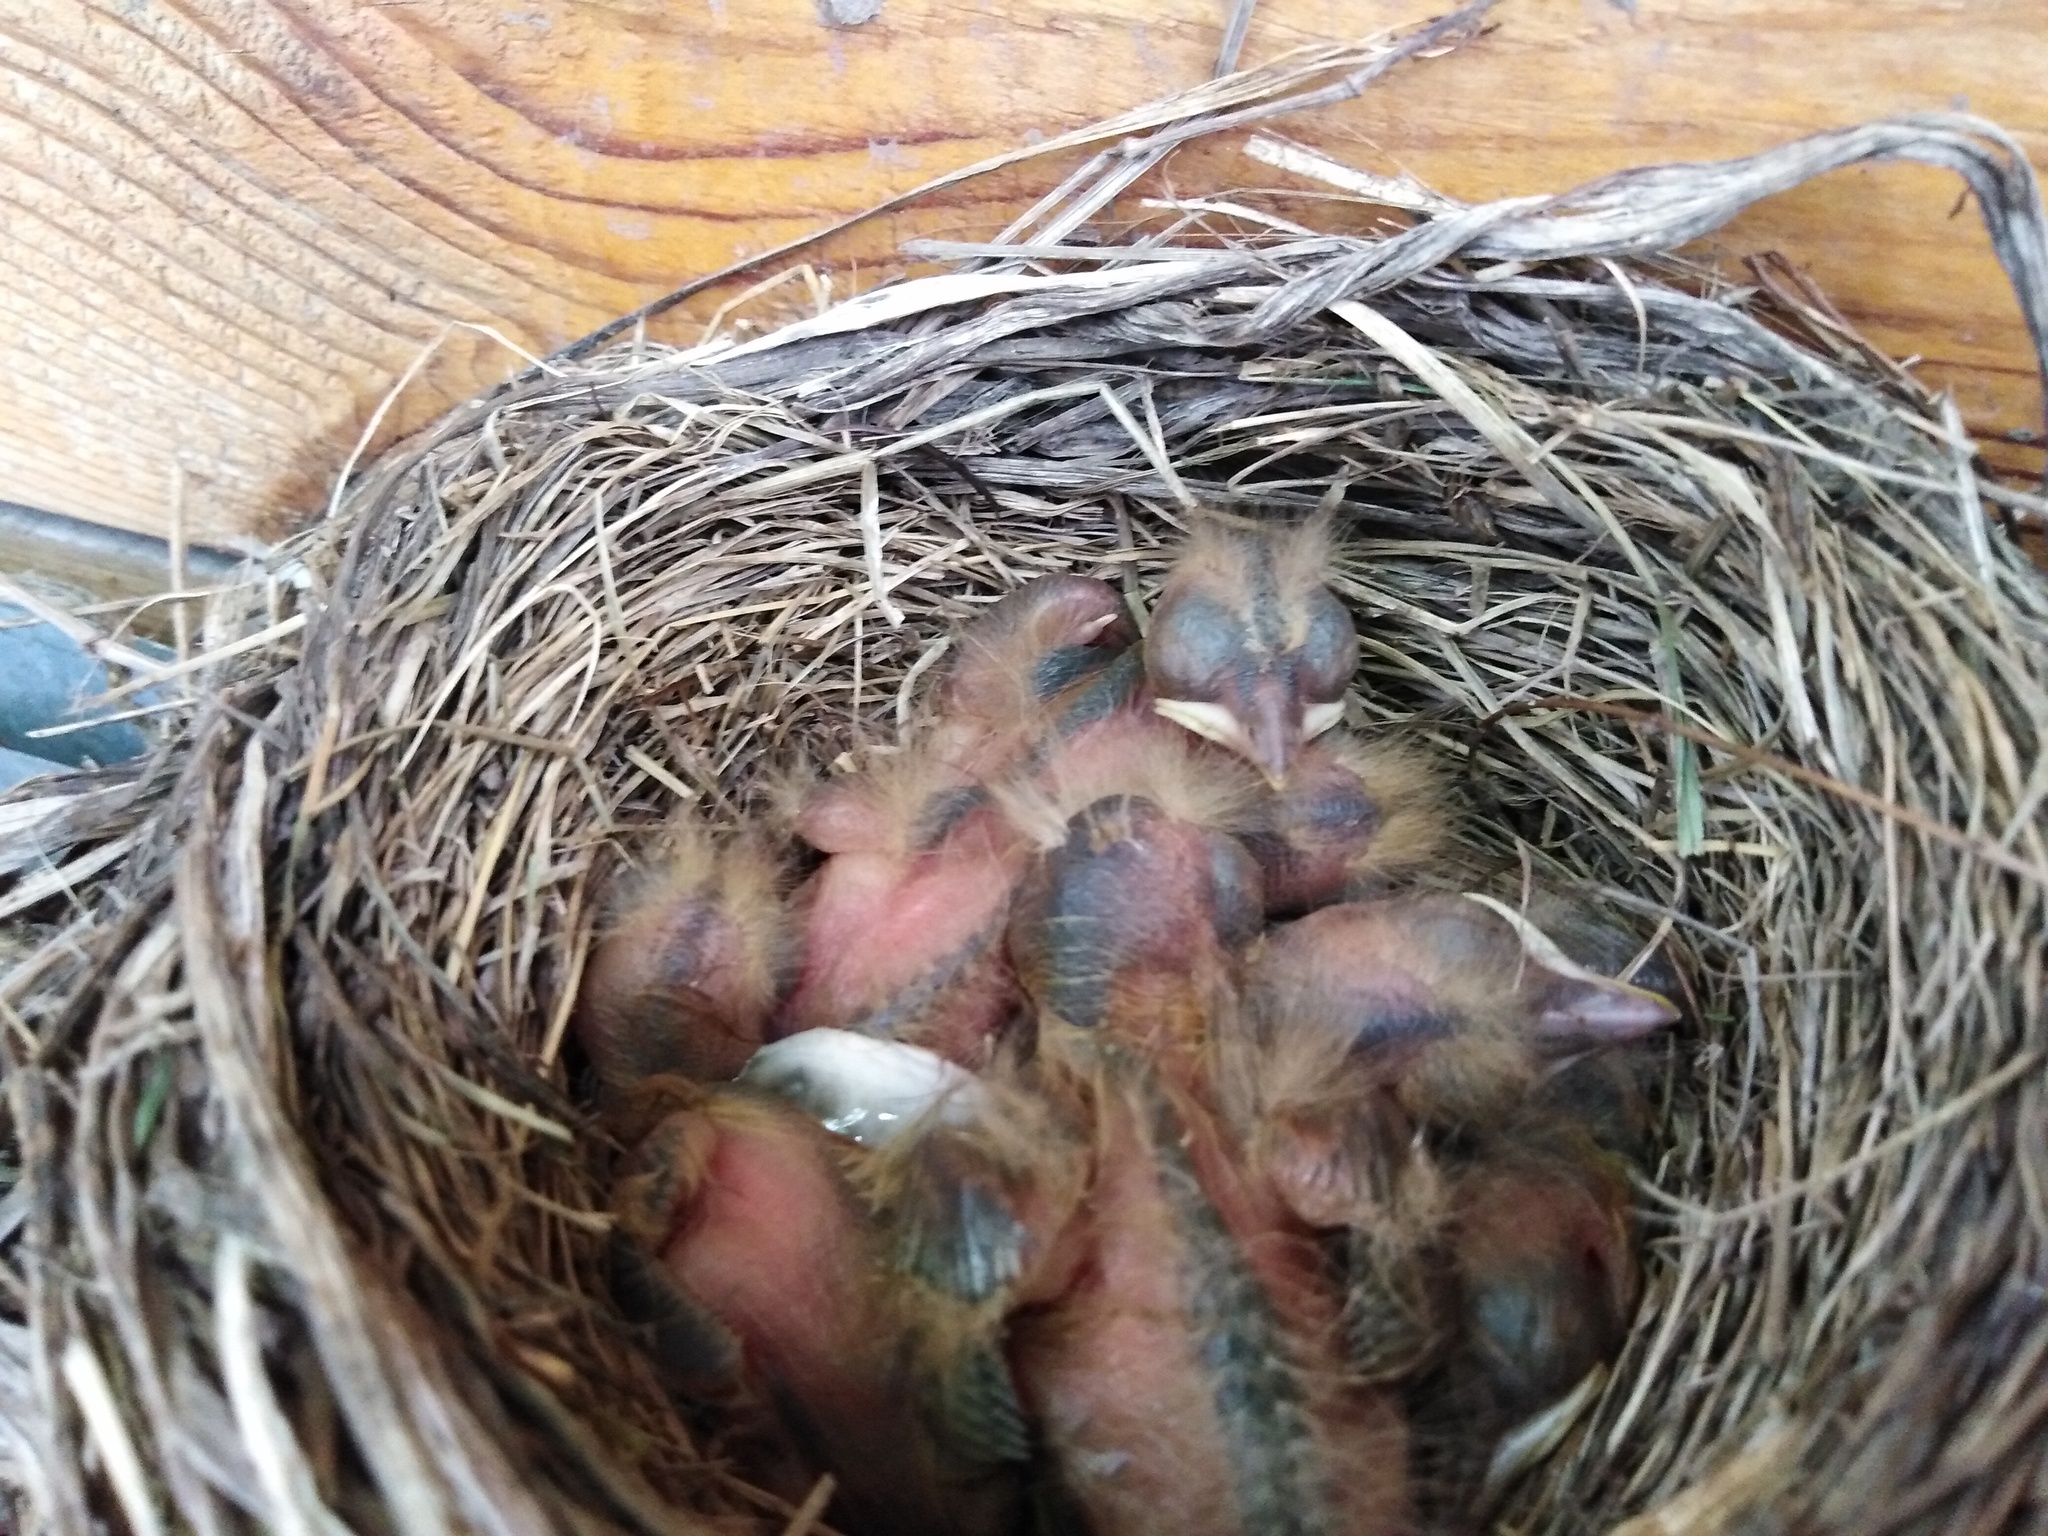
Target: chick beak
1610,1011
1271,718
1262,720
1572,1002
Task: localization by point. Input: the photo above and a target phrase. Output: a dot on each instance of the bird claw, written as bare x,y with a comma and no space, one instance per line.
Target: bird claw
661,1121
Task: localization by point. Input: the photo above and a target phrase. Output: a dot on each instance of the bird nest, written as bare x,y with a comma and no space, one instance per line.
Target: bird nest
1701,602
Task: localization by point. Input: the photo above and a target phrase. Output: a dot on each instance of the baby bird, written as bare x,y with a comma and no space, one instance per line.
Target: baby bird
773,1298
1018,656
1247,646
685,975
1373,1020
1450,1001
903,924
1543,1255
1186,1381
1187,1378
1545,1265
973,1183
1132,926
1352,819
1544,1281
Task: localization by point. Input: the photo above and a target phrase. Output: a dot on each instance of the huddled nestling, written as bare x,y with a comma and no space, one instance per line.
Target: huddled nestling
1127,1124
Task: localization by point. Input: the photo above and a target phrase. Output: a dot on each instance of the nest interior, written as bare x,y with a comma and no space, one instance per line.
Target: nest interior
1695,597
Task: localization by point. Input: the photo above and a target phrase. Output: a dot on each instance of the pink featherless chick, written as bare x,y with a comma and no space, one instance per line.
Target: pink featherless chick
823,1257
1508,1261
1188,1377
902,925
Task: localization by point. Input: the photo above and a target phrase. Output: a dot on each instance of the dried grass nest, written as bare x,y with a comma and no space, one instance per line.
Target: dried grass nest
1697,597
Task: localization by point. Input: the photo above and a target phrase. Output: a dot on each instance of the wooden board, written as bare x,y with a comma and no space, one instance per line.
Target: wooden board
227,226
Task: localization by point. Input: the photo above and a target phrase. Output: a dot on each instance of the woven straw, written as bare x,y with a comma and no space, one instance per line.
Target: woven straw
1701,602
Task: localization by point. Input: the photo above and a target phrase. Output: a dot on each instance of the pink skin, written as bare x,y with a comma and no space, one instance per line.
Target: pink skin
1376,1016
1148,1433
902,927
1111,1373
1018,667
1109,755
1356,1431
1332,1163
768,1242
761,1232
907,943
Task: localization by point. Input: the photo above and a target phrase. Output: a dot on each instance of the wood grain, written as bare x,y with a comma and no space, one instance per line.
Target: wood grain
227,226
